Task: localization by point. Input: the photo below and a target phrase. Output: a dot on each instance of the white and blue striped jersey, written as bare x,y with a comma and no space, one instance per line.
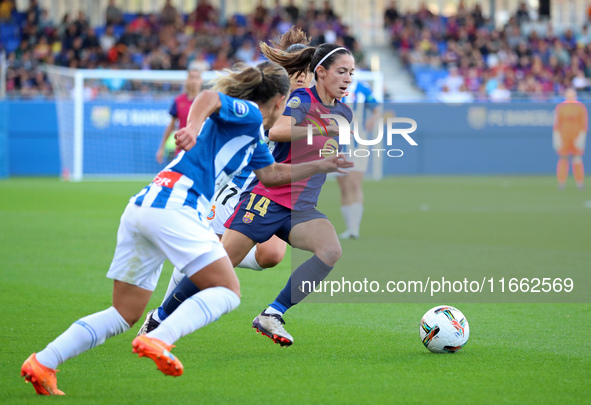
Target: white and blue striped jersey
230,141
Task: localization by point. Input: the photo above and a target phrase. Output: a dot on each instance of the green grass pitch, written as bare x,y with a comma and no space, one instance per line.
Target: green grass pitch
57,241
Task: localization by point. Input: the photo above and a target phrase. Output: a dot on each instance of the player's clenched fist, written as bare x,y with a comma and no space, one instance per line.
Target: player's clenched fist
186,138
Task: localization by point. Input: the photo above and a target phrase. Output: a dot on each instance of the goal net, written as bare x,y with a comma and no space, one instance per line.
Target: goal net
111,122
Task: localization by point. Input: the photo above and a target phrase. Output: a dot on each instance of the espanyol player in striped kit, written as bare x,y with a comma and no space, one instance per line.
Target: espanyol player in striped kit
167,219
261,256
360,98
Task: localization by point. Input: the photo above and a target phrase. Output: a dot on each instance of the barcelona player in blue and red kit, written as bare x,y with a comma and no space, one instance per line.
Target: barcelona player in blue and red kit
290,211
179,111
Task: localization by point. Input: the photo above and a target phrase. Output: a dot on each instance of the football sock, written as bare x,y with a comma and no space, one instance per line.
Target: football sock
184,289
197,311
313,271
250,261
175,279
562,171
578,171
83,335
273,310
355,213
345,211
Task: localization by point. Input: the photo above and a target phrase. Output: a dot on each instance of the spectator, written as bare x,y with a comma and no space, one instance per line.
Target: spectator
108,40
391,15
292,11
522,15
500,94
246,52
169,14
6,8
454,81
90,40
328,11
205,12
580,82
113,15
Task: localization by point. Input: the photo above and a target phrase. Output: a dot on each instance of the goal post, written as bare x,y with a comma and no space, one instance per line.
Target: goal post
112,121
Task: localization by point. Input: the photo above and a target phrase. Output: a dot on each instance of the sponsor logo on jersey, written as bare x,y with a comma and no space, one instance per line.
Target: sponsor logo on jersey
211,215
167,179
240,108
330,147
248,217
294,102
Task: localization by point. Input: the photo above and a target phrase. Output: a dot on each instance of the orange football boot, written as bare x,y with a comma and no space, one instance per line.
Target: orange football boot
158,351
43,378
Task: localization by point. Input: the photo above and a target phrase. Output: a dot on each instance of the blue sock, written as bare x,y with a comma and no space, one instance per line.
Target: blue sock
184,289
313,270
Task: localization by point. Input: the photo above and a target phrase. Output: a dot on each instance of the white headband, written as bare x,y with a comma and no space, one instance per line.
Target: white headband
326,57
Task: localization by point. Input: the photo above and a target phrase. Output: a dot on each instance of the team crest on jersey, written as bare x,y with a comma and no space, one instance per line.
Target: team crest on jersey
294,102
248,217
332,121
240,108
211,215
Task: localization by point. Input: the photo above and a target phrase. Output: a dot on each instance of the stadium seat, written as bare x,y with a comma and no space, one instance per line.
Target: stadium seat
118,30
100,31
12,45
128,18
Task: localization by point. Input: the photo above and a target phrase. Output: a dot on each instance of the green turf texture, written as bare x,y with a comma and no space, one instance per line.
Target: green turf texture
57,240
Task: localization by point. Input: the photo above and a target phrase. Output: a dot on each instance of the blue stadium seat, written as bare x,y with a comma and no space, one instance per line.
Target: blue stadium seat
240,20
128,18
138,59
100,31
118,30
8,32
12,44
19,18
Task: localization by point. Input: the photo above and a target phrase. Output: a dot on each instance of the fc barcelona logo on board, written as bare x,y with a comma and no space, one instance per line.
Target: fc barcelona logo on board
248,217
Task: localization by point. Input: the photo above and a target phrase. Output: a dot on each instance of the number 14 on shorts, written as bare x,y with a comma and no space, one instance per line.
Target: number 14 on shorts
261,205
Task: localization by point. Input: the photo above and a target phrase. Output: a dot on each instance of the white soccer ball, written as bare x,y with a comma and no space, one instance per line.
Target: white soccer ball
444,329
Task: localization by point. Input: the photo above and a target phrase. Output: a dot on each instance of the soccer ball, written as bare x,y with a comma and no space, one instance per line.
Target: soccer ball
444,329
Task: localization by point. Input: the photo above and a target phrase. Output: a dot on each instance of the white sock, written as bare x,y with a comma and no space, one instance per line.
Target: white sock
271,310
83,335
346,212
175,279
355,213
250,261
197,311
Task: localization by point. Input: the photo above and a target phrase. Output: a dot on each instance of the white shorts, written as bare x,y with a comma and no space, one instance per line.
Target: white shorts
148,236
223,207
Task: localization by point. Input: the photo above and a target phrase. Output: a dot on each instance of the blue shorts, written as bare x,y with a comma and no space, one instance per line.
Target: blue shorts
260,218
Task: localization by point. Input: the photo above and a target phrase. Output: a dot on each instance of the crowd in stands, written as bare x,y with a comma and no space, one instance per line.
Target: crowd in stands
164,40
465,58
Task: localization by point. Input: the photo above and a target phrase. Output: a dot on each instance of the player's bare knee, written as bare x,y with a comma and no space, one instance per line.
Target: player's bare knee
269,257
130,316
330,254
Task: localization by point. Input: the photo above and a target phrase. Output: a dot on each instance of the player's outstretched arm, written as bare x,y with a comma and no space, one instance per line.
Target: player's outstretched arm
279,173
285,130
205,104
